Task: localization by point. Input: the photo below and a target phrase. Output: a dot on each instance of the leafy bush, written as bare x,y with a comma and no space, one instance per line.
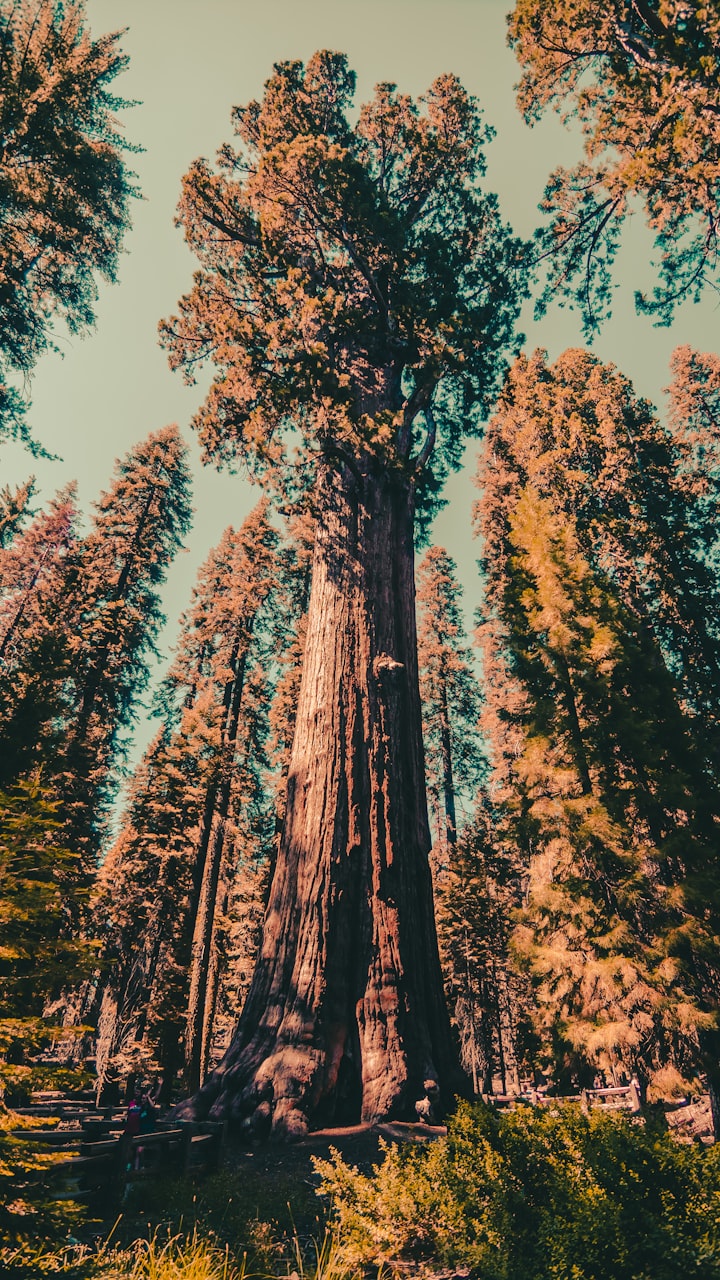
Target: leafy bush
28,1210
536,1195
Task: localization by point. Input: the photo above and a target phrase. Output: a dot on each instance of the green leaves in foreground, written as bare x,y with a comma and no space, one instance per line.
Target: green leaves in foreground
534,1195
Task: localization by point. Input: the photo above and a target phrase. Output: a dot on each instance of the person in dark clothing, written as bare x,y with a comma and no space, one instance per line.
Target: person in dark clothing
132,1120
147,1115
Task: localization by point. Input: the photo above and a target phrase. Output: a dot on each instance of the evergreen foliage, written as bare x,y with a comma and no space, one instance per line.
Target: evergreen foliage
533,1194
601,766
181,892
450,695
478,894
14,508
644,513
44,894
643,80
79,615
369,288
137,528
64,188
36,642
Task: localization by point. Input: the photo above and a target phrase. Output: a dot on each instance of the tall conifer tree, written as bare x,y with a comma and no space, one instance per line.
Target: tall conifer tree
78,619
190,820
576,431
479,894
368,291
600,766
36,641
114,615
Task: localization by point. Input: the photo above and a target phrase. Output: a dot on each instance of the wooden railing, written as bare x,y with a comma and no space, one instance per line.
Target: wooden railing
623,1098
102,1161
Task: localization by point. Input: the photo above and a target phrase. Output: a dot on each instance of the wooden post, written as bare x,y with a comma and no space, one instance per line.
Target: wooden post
188,1131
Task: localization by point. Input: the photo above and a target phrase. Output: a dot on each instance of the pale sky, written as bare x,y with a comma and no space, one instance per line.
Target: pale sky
190,62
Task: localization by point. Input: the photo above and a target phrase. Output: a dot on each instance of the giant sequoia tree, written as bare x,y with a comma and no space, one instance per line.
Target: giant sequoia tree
355,292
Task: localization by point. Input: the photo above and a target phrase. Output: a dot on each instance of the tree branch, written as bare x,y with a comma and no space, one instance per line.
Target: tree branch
424,455
412,406
231,234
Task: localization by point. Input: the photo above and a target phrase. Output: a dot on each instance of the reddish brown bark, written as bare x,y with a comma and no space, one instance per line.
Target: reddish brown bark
346,1018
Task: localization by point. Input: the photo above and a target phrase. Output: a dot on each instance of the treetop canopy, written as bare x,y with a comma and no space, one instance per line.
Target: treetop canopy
355,284
643,81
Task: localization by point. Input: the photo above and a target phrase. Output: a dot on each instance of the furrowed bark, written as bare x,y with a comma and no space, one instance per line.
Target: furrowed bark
346,1018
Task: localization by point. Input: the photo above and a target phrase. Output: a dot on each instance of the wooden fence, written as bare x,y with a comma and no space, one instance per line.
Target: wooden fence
101,1161
622,1098
97,1160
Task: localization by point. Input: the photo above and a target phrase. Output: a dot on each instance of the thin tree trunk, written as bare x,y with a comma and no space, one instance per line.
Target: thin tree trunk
210,862
499,1026
346,1017
471,1010
448,781
213,981
581,760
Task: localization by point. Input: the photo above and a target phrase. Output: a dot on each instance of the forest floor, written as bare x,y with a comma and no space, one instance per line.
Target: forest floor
267,1193
261,1194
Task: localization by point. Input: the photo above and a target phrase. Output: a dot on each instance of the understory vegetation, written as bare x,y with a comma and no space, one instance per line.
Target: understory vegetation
527,1195
535,1194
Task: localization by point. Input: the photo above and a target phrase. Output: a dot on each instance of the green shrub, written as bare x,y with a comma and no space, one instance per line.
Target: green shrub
536,1195
28,1210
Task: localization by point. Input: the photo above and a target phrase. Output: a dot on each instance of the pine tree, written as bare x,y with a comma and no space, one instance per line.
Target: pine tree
479,893
577,432
144,893
449,692
114,615
78,618
35,641
613,808
642,79
65,189
43,894
369,290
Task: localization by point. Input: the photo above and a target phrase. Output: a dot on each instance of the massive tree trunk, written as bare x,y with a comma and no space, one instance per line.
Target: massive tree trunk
345,1018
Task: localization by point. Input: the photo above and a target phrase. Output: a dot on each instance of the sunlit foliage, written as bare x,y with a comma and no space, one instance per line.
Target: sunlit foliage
642,79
